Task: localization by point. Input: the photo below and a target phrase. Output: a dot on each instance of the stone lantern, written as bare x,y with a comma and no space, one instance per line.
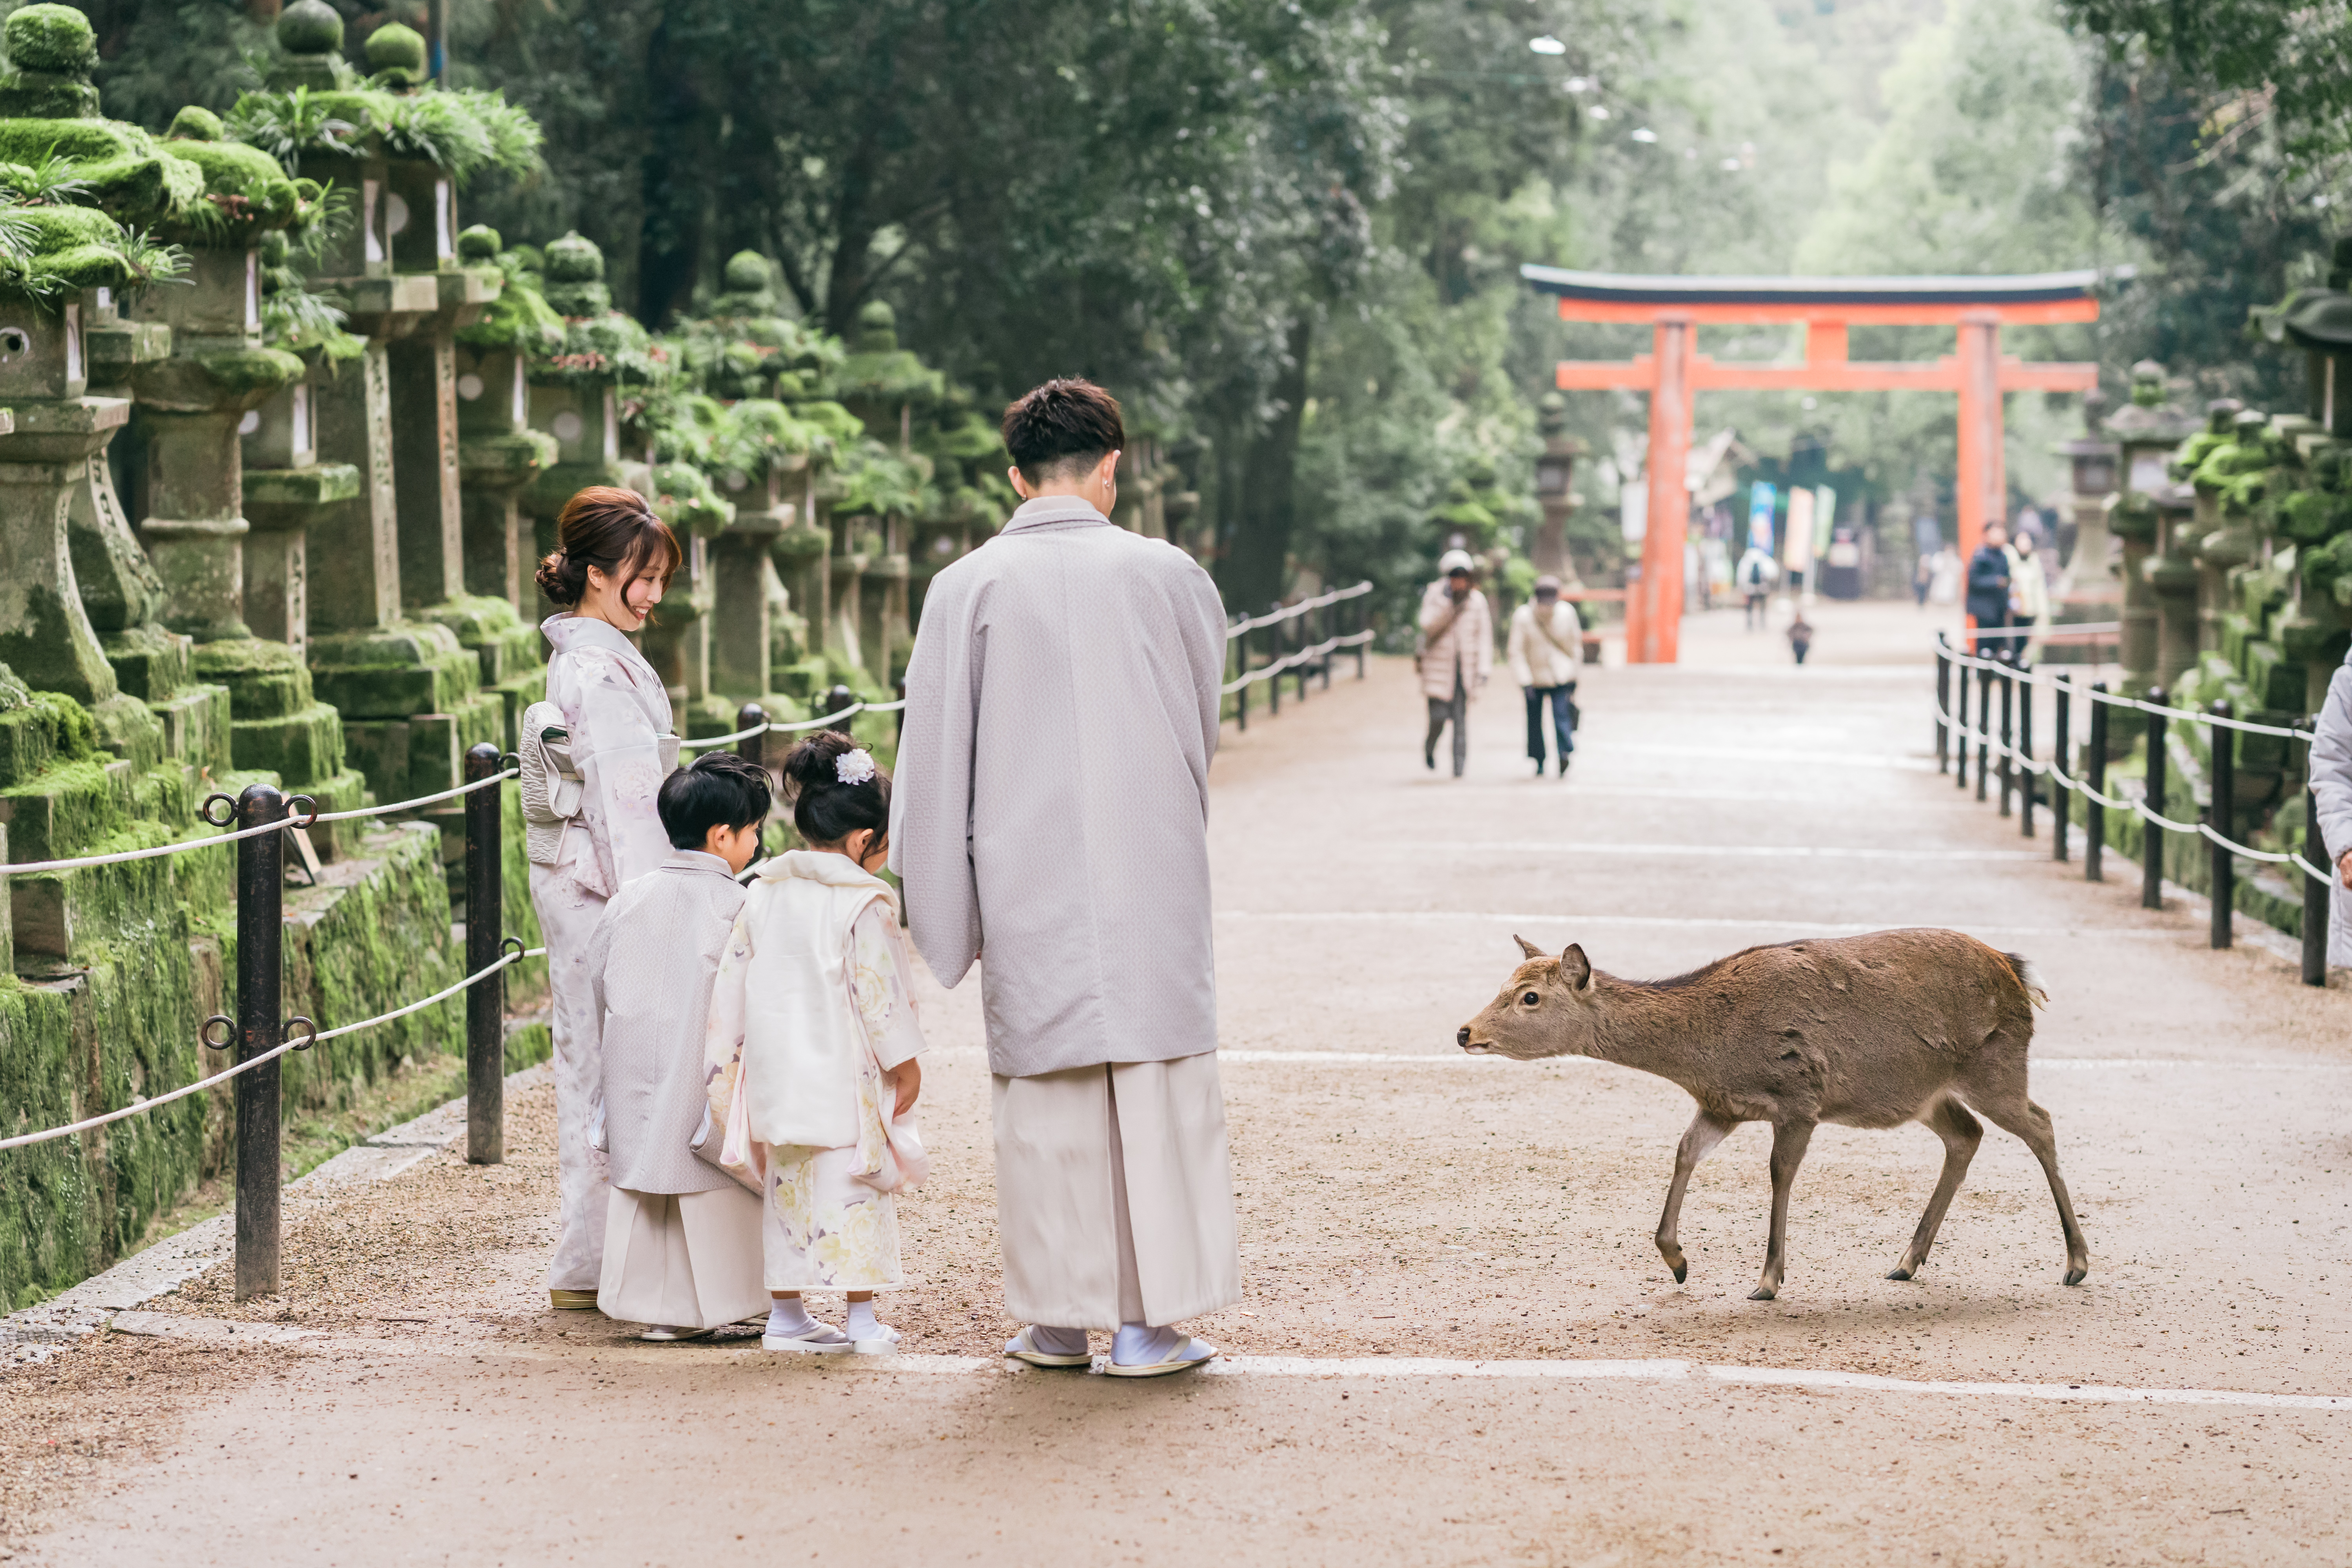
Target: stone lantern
2090,588
881,384
1555,471
2146,431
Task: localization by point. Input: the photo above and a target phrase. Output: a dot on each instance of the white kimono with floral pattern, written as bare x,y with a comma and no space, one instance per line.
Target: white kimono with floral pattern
831,1223
614,704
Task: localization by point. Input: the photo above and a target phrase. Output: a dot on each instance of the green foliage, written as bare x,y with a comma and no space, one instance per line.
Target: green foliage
287,125
54,38
466,133
2287,59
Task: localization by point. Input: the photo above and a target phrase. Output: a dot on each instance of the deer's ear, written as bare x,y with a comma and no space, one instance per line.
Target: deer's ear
1525,947
1576,969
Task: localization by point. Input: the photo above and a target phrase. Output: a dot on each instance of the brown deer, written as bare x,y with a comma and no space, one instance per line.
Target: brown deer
1862,1031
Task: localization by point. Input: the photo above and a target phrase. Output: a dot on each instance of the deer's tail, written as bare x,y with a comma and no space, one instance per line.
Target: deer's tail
2021,967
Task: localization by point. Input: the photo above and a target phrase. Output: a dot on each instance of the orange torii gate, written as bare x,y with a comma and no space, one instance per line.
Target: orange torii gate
1672,373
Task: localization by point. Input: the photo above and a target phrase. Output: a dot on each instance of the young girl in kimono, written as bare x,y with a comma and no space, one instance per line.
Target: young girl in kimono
812,1052
615,561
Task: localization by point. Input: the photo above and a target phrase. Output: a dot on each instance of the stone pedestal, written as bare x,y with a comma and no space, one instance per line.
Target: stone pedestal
2170,574
742,627
584,421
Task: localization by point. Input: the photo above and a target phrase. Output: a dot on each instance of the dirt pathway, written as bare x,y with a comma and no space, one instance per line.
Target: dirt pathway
1400,1201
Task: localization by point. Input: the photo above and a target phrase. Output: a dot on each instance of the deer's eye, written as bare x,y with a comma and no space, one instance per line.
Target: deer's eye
1530,999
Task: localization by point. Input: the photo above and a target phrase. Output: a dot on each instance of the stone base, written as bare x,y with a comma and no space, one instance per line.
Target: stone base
506,647
196,728
265,680
517,695
149,662
306,744
425,753
128,727
391,672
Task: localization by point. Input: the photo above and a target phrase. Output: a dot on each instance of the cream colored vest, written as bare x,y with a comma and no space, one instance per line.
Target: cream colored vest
801,1036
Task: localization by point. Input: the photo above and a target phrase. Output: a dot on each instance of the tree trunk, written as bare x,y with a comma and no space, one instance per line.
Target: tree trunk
669,249
1252,567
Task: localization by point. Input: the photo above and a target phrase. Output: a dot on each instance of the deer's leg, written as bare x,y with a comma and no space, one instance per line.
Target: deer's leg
1699,1140
2032,1124
1961,1133
1789,1140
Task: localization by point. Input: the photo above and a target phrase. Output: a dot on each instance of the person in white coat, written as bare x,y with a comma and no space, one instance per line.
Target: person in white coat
614,560
2331,785
1052,800
1545,649
1458,651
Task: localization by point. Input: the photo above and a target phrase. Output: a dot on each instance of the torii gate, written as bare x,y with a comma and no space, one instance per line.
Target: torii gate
1673,373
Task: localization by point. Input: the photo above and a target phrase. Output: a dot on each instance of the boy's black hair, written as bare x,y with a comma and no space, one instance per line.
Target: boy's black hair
826,810
721,790
1063,427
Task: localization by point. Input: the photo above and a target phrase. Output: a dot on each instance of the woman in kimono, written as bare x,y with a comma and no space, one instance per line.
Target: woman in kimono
613,561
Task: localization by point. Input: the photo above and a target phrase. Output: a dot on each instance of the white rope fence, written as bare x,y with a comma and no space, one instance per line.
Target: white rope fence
1298,656
1292,612
1992,746
778,727
301,1043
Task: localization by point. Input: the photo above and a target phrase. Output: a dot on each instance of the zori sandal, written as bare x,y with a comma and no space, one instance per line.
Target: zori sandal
1188,1352
1022,1346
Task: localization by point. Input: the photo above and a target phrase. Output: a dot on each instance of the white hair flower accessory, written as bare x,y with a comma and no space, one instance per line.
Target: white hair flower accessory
854,767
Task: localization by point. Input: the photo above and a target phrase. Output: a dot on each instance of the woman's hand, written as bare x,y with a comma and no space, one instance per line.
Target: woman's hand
908,1081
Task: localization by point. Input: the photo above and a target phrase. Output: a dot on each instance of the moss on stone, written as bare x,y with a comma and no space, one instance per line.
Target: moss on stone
122,165
50,38
195,123
244,189
309,27
396,54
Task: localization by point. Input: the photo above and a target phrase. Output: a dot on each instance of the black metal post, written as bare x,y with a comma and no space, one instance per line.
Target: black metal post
2221,815
2316,894
1273,656
2007,740
1355,625
1305,668
2095,777
1984,728
1959,726
1943,706
1330,634
485,1003
1241,668
2062,760
2025,752
260,935
833,702
752,748
2151,859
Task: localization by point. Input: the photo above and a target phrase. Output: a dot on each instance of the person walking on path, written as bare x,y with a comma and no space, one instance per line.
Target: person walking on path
1801,637
1546,644
1757,573
1051,802
2331,785
606,754
2028,598
1457,651
1988,591
681,1236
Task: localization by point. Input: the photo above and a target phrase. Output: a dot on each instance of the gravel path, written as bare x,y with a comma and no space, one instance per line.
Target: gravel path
1400,1201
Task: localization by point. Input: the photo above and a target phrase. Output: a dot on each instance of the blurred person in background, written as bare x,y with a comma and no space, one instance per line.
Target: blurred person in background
1988,591
1546,644
1457,651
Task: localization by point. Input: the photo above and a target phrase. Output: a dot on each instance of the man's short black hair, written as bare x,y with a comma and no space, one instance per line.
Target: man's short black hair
1066,424
722,790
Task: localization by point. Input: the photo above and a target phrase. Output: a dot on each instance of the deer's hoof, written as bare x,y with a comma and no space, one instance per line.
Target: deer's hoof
1682,1272
1900,1274
2076,1275
1762,1293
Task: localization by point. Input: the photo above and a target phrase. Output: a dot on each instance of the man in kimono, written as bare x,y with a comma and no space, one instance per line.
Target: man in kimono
1051,805
682,1246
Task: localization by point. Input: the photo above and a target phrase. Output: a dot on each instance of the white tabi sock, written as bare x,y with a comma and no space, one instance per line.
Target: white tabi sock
862,1323
1139,1344
789,1320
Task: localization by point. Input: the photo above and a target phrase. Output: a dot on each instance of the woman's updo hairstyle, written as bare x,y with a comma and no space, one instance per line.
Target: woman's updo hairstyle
613,530
825,809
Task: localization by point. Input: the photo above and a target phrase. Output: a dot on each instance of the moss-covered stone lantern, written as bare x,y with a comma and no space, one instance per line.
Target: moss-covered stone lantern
1555,492
2146,431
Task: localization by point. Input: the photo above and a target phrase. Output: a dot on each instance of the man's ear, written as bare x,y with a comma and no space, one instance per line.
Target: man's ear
1576,969
1107,470
1527,948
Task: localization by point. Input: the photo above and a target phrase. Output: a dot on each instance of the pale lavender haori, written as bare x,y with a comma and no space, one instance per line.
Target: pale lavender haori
1051,797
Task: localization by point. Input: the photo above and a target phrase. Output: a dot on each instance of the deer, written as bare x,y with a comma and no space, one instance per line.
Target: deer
1869,1031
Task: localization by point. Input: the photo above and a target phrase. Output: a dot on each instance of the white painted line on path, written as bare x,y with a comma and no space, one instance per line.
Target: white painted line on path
1723,851
1459,1058
1568,1370
1808,928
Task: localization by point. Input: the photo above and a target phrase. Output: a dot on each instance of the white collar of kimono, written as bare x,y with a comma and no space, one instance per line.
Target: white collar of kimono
1047,509
820,866
570,634
697,860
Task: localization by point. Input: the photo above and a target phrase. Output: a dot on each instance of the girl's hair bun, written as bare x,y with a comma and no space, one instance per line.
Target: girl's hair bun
561,579
825,809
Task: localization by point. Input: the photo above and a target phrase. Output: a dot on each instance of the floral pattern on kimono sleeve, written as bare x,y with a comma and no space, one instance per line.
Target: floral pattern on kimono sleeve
622,766
881,985
722,1034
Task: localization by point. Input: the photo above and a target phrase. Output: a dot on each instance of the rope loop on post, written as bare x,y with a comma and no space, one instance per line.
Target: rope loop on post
514,942
310,1032
309,811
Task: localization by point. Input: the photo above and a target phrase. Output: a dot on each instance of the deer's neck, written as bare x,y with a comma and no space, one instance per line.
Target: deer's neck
1654,1030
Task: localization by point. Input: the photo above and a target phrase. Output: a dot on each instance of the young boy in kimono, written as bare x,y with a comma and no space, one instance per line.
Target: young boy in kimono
811,1053
681,1235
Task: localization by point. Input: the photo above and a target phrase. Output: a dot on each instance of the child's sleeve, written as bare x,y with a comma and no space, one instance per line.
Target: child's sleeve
884,993
722,1034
